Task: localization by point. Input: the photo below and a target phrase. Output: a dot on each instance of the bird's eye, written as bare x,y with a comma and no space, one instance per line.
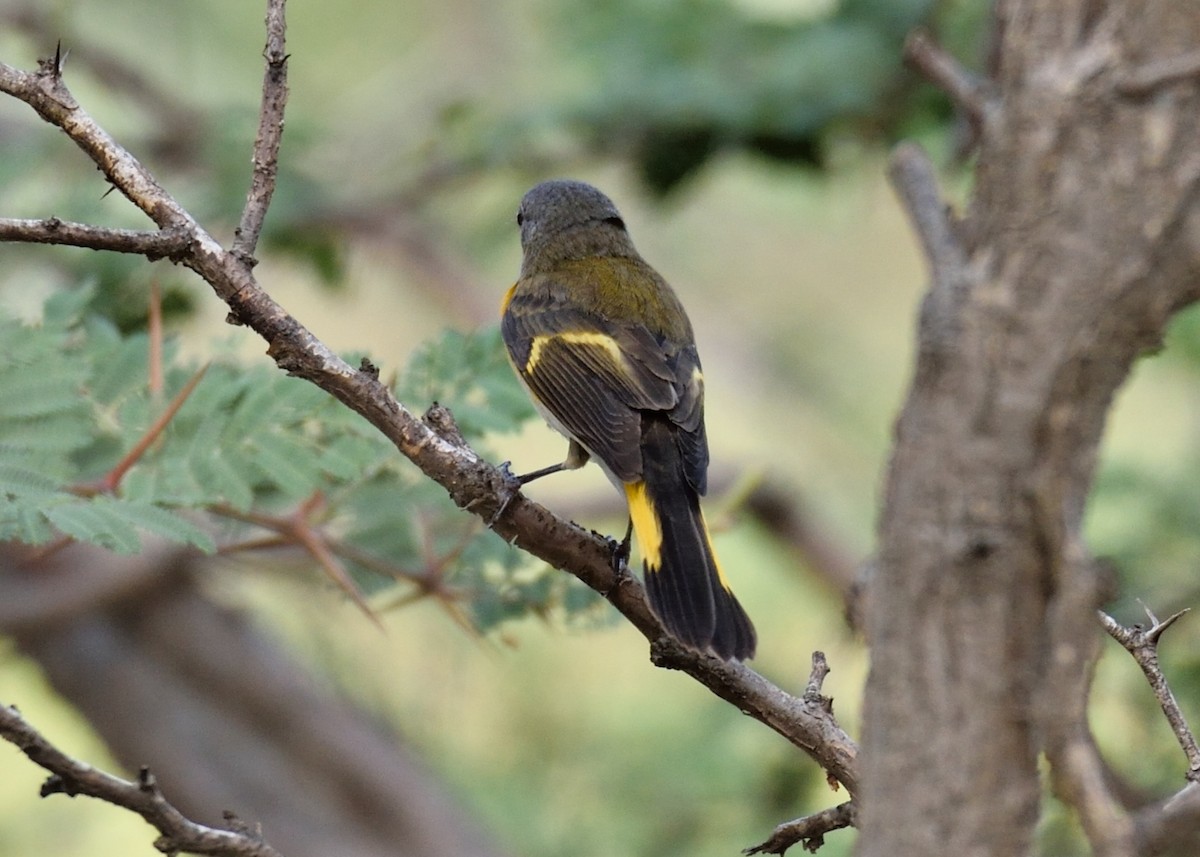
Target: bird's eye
520,218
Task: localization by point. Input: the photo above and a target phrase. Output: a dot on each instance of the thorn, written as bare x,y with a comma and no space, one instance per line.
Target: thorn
112,480
146,780
60,58
1159,627
509,489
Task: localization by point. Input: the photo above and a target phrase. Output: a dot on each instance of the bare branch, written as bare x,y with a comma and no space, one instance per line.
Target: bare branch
153,245
471,482
967,91
808,832
270,133
1143,645
806,722
72,777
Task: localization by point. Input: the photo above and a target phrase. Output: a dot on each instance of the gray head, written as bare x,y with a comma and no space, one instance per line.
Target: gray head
565,219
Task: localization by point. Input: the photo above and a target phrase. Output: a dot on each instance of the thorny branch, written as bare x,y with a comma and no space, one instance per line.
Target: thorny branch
1142,643
178,833
153,245
808,832
472,483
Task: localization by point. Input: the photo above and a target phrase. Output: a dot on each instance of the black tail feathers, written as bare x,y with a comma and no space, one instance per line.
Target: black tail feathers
683,580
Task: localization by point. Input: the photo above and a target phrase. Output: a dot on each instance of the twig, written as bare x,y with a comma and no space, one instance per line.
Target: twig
807,723
820,669
179,128
270,133
1147,79
151,244
966,90
1143,645
808,832
72,777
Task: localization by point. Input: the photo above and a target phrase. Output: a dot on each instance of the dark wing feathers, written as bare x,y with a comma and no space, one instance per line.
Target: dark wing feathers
595,378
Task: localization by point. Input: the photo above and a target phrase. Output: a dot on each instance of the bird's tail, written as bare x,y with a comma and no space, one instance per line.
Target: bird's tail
684,582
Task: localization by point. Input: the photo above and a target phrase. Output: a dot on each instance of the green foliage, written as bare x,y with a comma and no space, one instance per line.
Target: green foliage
252,446
470,375
674,82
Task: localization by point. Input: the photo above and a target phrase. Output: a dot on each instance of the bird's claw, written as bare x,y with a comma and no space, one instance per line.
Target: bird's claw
507,491
619,556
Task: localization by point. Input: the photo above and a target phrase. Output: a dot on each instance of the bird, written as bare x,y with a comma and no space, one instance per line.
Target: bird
604,348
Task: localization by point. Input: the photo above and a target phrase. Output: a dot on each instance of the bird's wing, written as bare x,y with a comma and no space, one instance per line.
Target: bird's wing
595,377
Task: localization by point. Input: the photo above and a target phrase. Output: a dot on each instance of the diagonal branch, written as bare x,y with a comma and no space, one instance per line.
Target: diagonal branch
72,777
968,92
1142,644
471,482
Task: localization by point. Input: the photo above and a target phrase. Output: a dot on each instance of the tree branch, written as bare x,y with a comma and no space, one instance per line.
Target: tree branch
808,832
471,482
270,134
159,244
72,777
1142,644
967,91
913,178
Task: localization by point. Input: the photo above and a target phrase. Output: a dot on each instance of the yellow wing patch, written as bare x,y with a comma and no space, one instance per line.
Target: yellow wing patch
508,296
584,338
645,524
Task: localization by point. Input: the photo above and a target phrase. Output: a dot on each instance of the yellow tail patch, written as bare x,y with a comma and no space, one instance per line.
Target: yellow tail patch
646,524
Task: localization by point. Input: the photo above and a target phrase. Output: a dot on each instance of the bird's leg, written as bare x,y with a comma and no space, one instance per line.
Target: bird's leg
577,456
620,551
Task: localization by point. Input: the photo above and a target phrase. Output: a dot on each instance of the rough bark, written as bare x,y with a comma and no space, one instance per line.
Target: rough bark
1081,239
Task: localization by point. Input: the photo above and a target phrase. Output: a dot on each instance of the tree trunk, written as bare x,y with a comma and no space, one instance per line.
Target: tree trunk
1082,238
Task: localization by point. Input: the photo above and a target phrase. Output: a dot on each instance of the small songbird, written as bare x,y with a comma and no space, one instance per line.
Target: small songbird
606,351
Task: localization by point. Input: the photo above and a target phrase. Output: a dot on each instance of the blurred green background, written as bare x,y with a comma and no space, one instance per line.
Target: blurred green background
745,141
